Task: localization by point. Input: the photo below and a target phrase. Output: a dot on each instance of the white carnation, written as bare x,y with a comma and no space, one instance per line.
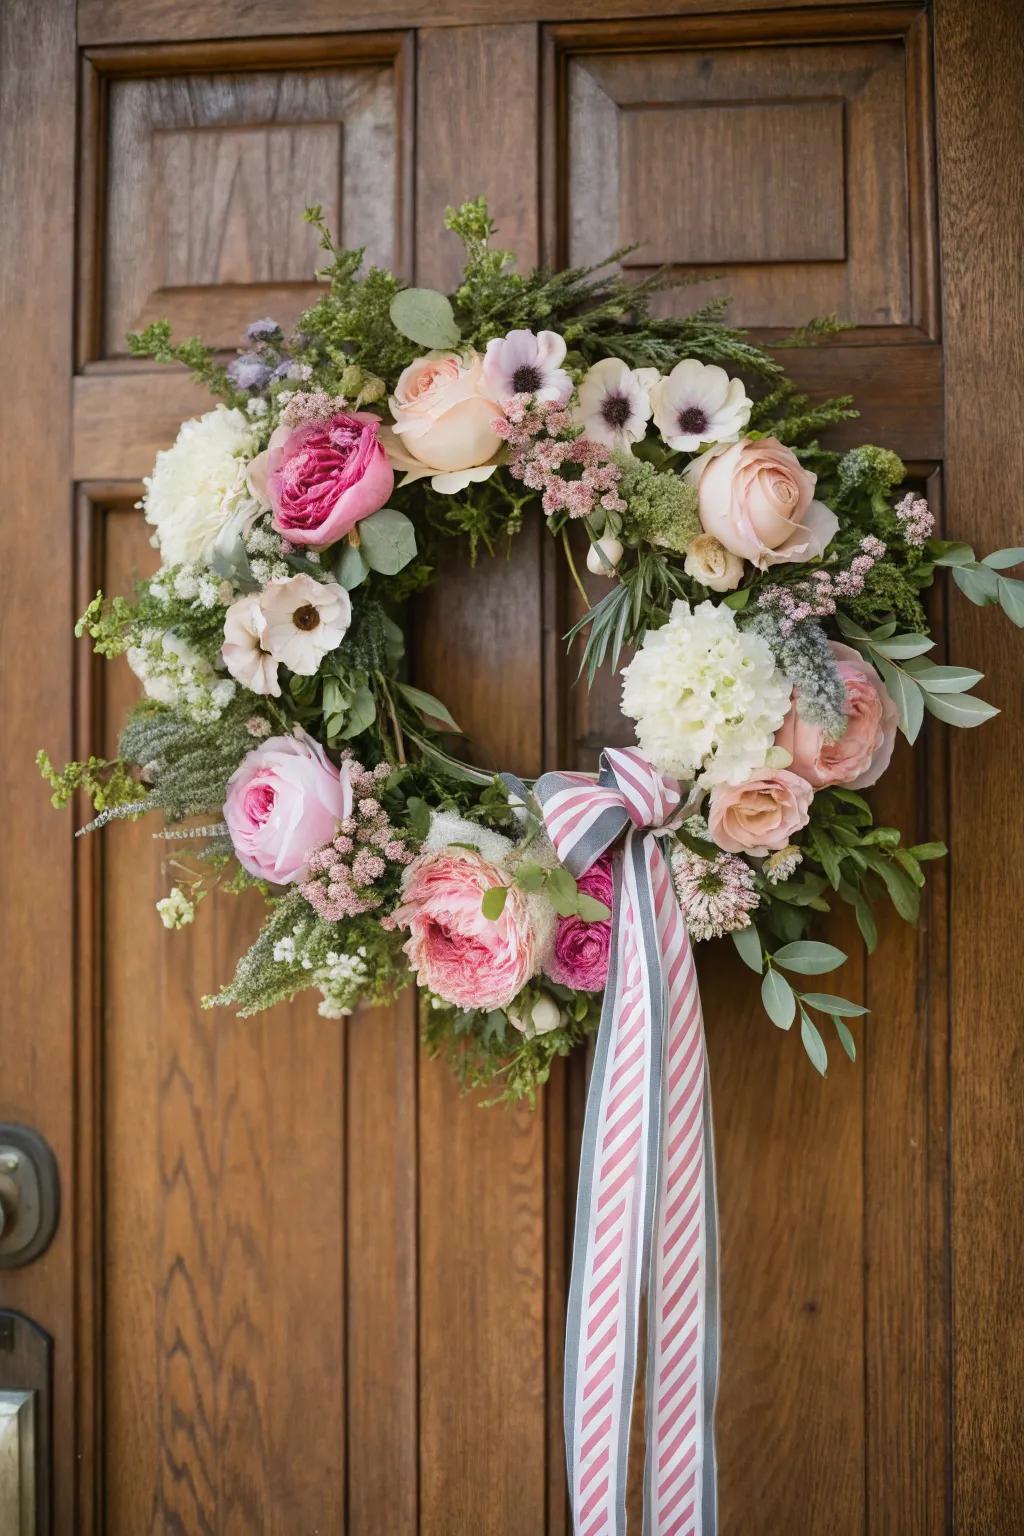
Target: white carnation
706,696
191,482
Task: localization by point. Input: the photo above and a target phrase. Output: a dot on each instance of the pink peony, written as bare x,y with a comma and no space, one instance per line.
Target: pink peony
284,801
760,815
466,958
321,478
862,754
580,956
758,500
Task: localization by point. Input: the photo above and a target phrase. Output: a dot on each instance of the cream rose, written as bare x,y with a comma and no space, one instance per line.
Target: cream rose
860,756
715,567
444,420
758,500
760,815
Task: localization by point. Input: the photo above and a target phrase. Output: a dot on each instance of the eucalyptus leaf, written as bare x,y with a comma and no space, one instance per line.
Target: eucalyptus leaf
945,679
978,583
814,1045
1003,559
779,999
493,903
827,1002
906,695
846,1040
349,567
952,552
1011,597
387,541
809,957
900,647
361,715
748,946
426,317
963,709
428,706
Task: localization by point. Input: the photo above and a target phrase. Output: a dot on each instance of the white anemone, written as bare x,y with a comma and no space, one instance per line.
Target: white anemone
245,652
305,619
699,403
523,363
615,403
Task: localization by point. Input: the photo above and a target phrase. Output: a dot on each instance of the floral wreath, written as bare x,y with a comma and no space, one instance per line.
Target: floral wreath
769,590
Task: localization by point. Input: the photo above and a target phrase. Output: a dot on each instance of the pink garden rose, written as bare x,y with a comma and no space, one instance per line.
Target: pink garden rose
760,815
862,754
466,958
284,801
758,500
580,957
444,415
323,477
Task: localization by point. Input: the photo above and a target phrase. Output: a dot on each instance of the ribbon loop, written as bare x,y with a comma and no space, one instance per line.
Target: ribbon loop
645,1213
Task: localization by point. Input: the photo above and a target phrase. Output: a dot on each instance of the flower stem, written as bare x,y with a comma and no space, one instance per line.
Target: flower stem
581,589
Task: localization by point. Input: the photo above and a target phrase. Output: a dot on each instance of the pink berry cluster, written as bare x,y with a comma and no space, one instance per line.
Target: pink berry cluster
342,878
539,435
916,518
817,597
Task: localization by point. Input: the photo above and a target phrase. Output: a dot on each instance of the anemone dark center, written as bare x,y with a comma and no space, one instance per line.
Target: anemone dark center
526,379
615,410
306,617
693,420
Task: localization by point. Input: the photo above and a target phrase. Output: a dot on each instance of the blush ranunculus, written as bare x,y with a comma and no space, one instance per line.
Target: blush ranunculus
444,420
580,957
323,477
760,815
859,757
466,958
284,801
758,500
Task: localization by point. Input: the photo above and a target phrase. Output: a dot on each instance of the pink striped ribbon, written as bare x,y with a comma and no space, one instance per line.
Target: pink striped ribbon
646,1212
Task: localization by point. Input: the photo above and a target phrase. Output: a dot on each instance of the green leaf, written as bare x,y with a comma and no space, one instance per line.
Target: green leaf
590,909
426,317
951,552
945,679
829,858
418,812
850,797
561,888
809,957
1011,596
900,647
738,599
814,1045
1002,559
850,627
827,1002
903,891
427,705
349,566
748,945
361,715
978,583
846,1040
907,697
779,999
923,851
530,877
963,709
493,903
387,541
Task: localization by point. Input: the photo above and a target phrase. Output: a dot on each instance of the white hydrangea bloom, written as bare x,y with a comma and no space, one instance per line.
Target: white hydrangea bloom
176,910
706,696
186,493
447,828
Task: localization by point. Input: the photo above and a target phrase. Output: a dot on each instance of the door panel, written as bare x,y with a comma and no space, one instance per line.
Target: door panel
301,1284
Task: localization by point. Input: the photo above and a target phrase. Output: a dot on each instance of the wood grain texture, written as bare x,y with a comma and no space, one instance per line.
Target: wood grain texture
108,21
483,1215
979,62
224,1206
37,1049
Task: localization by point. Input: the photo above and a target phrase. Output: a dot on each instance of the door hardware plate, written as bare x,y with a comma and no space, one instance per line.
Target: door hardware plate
29,1195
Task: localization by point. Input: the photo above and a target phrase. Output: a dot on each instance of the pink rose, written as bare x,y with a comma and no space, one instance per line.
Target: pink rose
580,957
760,815
284,801
464,957
862,754
758,500
444,415
323,477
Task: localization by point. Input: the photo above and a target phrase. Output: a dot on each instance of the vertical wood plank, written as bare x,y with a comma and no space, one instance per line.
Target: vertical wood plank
979,55
37,128
482,1172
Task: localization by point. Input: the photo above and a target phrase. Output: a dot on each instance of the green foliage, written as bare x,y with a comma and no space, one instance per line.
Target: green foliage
819,328
784,412
662,506
188,763
154,341
109,624
108,783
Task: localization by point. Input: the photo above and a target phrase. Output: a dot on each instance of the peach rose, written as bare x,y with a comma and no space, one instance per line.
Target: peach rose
758,500
760,815
444,418
862,754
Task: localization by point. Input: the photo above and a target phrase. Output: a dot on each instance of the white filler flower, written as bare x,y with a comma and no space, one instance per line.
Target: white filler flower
615,403
191,481
699,403
705,695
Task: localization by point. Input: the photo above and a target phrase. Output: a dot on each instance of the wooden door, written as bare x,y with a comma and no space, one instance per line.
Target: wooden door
299,1284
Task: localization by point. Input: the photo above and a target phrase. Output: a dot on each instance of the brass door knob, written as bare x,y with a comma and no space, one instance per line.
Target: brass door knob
9,1163
29,1196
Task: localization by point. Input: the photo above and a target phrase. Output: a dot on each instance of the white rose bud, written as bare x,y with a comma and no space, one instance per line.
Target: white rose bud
546,1015
612,551
709,562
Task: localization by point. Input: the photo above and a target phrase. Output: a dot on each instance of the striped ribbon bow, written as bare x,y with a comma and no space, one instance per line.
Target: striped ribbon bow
646,1211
